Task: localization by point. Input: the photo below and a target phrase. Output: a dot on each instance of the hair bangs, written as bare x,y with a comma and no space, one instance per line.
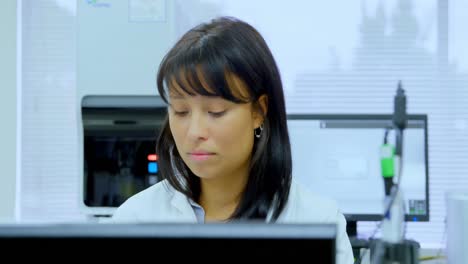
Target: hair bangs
200,71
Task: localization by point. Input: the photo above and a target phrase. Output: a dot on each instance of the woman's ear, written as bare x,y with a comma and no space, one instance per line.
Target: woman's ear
260,110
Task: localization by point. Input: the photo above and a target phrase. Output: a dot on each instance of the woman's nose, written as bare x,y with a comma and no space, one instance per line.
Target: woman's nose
198,127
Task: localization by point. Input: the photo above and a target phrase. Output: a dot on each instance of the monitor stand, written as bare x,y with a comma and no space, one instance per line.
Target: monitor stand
356,243
351,228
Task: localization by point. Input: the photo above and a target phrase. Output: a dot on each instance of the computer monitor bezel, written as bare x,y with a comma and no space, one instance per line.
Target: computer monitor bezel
235,229
415,117
247,238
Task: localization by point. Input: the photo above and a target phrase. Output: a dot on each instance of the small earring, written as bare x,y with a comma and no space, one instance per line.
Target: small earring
259,133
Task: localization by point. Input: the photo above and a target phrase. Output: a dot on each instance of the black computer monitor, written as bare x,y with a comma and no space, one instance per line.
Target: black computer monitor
338,155
316,243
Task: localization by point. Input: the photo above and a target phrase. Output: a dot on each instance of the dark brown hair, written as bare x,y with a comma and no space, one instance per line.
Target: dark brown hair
200,63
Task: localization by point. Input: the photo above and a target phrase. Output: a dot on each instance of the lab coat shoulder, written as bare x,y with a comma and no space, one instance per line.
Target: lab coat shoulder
305,206
153,204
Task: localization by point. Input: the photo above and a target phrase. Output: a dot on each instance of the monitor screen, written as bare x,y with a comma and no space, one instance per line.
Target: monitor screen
314,242
339,156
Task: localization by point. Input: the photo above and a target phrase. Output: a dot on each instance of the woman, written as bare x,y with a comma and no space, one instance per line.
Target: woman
224,151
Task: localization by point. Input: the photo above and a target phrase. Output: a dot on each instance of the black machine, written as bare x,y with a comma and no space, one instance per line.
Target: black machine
119,139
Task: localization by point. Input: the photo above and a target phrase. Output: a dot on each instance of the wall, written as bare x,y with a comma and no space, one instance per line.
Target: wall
7,109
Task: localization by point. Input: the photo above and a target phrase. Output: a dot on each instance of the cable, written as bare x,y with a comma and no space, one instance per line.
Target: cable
439,251
392,198
438,255
399,123
387,130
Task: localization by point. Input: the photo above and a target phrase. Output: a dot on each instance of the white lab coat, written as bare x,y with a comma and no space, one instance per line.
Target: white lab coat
162,203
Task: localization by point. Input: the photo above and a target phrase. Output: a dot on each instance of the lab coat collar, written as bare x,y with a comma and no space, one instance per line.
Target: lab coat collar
181,204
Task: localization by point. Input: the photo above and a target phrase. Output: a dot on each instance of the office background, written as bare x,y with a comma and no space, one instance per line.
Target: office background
8,110
333,60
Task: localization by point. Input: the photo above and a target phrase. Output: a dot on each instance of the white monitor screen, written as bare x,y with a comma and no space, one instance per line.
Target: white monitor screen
339,156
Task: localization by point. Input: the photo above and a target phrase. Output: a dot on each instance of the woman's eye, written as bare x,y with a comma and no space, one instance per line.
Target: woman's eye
180,113
217,114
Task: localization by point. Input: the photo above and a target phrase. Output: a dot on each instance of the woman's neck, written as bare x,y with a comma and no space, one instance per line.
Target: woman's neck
220,197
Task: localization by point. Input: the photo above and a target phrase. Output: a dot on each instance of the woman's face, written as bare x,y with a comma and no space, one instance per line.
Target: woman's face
213,136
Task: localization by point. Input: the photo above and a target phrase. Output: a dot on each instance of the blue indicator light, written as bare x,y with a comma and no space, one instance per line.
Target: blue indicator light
153,167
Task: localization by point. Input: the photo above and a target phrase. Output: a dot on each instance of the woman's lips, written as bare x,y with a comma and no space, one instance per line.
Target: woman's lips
201,155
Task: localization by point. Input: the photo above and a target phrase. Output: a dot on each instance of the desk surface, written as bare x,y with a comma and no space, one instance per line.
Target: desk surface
423,253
